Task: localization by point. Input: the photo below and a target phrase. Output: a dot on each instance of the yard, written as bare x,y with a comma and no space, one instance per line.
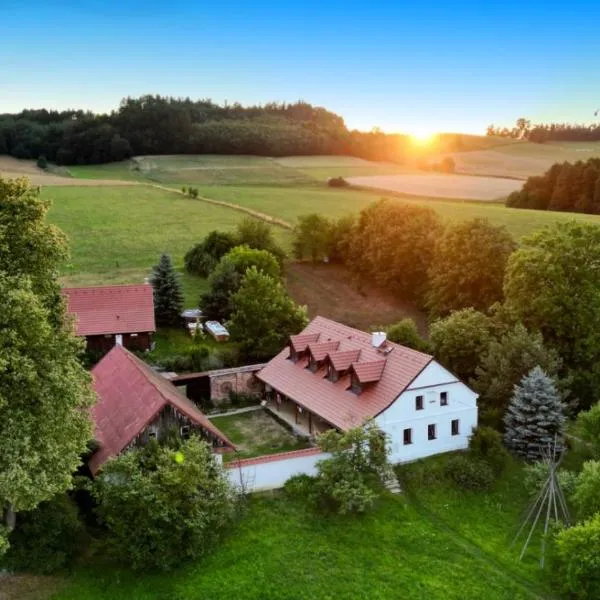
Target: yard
439,544
256,433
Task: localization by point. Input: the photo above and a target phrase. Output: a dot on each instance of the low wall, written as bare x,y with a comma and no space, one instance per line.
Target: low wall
272,471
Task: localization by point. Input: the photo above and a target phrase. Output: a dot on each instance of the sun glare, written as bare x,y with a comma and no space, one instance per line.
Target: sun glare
422,138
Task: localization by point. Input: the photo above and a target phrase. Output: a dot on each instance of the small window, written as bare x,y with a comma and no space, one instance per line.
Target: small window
419,402
431,432
407,437
444,399
133,335
152,435
332,374
313,365
185,432
355,386
455,427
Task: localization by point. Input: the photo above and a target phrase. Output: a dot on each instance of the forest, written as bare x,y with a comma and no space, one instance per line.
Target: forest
163,125
573,187
548,132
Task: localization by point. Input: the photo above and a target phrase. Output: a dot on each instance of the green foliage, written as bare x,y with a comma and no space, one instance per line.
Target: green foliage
340,238
406,333
4,545
338,182
468,266
263,316
48,538
460,340
312,237
44,390
551,285
258,235
536,474
586,497
168,293
228,275
300,486
202,258
588,428
394,245
469,473
350,480
41,162
506,361
535,417
164,507
577,560
486,444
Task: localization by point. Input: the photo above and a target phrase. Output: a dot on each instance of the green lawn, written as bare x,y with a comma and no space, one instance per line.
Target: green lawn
282,549
257,433
116,233
288,204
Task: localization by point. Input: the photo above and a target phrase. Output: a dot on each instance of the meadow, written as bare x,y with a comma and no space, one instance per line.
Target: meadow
409,547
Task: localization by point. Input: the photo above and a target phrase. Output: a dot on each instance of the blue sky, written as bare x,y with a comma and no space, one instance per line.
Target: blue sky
412,67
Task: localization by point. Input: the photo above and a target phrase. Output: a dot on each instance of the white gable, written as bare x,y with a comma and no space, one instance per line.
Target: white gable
432,374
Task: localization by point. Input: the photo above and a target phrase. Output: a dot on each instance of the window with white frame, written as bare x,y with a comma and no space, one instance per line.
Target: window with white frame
419,402
455,427
443,398
431,433
407,436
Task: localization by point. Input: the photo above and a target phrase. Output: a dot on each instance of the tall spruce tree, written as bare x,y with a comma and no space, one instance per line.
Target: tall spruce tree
168,293
535,417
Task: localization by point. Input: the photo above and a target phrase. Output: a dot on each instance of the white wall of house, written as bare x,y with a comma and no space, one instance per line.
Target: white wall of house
403,415
273,473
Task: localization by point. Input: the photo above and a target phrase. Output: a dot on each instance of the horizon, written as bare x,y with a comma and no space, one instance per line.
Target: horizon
418,70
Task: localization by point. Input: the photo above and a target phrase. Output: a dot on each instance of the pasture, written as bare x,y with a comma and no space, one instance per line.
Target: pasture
436,185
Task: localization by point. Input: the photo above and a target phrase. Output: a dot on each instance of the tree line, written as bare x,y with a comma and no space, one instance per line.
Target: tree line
573,187
548,132
163,125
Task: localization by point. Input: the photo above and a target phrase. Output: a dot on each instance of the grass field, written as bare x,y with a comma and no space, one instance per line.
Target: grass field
257,433
410,548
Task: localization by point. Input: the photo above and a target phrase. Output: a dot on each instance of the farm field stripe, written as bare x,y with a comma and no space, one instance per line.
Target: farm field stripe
233,206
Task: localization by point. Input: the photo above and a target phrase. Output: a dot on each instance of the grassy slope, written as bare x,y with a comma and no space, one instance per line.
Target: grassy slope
448,545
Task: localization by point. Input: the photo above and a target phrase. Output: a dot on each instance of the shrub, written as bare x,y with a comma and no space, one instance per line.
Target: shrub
164,506
337,182
299,486
486,444
469,473
576,560
588,423
42,163
536,474
406,333
241,399
47,539
586,497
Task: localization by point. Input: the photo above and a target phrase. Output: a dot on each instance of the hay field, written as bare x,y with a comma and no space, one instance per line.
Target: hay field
440,186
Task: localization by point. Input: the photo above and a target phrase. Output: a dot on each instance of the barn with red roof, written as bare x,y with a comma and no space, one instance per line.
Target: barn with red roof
334,376
136,404
115,314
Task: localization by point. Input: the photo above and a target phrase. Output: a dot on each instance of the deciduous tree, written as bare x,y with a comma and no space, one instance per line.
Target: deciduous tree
312,236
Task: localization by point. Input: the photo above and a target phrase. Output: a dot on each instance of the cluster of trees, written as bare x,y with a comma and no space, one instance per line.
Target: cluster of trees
163,125
44,390
573,187
548,132
245,269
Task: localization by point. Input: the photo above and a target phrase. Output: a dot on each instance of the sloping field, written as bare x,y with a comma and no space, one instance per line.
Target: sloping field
11,168
441,186
523,159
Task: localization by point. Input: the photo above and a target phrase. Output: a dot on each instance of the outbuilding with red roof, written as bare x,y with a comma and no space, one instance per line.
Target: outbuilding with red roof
116,314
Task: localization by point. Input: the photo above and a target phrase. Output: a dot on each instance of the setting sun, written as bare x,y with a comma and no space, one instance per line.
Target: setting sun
422,137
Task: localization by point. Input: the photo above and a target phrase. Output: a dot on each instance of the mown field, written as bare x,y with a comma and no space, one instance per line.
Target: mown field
410,547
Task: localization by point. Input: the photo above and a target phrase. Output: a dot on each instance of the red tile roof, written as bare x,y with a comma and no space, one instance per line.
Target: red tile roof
130,396
111,309
368,372
341,361
333,401
321,350
300,342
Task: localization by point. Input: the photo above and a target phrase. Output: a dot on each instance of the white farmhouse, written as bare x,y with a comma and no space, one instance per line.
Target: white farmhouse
331,375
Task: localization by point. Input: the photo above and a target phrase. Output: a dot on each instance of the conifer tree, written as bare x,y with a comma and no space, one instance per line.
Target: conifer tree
535,416
168,294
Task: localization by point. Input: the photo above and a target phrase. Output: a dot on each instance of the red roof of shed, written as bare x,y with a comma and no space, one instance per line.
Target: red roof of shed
333,401
111,309
130,396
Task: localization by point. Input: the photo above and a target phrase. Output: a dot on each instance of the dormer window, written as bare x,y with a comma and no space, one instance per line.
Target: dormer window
313,365
355,385
332,374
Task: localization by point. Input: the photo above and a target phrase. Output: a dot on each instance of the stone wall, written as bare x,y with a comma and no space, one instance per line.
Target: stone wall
241,380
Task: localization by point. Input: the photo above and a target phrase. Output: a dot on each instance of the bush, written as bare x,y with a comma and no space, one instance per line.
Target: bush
588,423
241,399
469,473
47,538
576,560
406,333
337,182
586,497
536,474
300,486
486,444
164,506
42,163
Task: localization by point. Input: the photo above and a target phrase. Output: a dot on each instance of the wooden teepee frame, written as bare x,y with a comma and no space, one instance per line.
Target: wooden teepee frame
550,501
